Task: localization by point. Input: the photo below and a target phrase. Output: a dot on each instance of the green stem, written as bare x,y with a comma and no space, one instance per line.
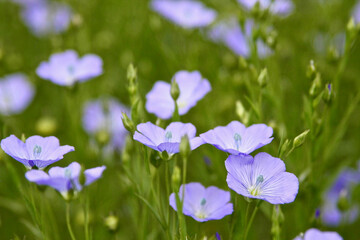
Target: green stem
86,218
68,221
252,219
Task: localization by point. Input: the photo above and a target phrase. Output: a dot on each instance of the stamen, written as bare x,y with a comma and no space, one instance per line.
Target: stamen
36,151
168,136
237,139
255,190
203,202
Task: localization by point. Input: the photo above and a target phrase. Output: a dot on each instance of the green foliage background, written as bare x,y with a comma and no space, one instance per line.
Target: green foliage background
124,32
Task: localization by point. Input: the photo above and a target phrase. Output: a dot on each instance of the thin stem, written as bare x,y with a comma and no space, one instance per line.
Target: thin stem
252,219
86,218
68,221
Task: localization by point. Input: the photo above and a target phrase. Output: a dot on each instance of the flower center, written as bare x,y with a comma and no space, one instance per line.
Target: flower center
237,139
71,69
181,104
68,173
168,136
203,202
36,151
255,190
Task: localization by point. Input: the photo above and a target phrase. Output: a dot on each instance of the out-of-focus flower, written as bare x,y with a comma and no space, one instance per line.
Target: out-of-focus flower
36,151
356,12
192,86
186,13
236,139
16,93
105,116
315,234
166,139
203,204
339,195
65,179
262,177
44,18
66,68
237,39
278,7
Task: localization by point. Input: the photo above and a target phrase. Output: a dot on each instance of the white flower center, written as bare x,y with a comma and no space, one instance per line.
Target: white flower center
255,189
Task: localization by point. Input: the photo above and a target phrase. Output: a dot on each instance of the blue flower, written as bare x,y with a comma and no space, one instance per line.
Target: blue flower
236,139
193,87
278,7
36,151
315,234
166,139
262,177
186,13
65,179
16,93
203,204
67,68
45,18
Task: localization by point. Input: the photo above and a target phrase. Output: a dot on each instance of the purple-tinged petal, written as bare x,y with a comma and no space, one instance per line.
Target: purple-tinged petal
356,13
159,101
315,234
15,148
89,66
196,142
37,176
169,147
93,174
178,130
186,13
149,134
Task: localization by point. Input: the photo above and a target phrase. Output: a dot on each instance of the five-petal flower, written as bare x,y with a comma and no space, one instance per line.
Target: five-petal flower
315,234
203,204
167,139
65,179
192,86
67,68
36,151
236,139
262,177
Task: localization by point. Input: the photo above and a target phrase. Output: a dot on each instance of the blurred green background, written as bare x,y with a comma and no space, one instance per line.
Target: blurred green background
123,32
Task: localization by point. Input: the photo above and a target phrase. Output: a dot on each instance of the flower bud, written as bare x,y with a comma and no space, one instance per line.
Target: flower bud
311,71
327,96
131,73
285,148
46,126
102,137
315,86
112,222
242,63
271,39
176,178
128,124
185,148
263,77
300,139
351,28
174,91
23,137
343,202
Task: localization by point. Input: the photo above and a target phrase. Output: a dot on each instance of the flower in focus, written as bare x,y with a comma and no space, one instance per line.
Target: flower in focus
65,179
236,139
44,18
262,177
192,88
203,204
278,7
166,139
36,151
186,13
337,206
230,33
66,68
16,93
104,117
315,234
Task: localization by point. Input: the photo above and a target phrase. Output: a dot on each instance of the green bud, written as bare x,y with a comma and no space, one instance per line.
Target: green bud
242,113
333,54
112,222
343,202
23,138
328,93
77,20
185,148
263,77
285,148
102,137
131,73
164,155
315,86
176,178
68,195
82,178
128,124
174,91
46,126
243,65
300,139
351,27
311,70
271,39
